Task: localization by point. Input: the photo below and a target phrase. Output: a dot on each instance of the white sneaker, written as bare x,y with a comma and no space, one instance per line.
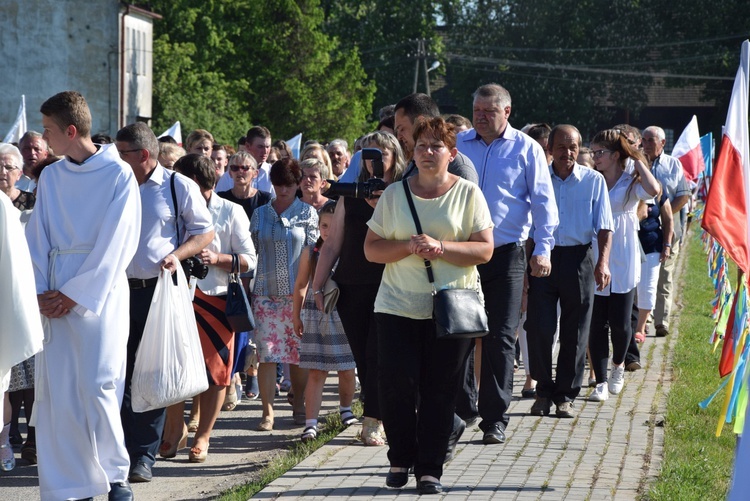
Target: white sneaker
599,394
616,379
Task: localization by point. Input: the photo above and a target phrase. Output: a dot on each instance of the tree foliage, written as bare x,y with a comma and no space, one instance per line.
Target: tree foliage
224,65
537,51
385,32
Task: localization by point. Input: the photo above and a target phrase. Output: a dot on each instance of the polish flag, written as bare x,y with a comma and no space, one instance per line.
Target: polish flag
688,151
726,219
726,212
175,131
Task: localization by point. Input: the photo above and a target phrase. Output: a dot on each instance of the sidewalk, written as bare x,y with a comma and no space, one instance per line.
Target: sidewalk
612,450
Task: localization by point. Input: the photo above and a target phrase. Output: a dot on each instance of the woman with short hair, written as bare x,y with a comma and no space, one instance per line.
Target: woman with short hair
280,230
419,374
231,238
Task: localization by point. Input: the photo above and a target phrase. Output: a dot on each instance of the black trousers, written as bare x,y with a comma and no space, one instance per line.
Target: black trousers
142,429
419,378
571,281
502,285
356,307
613,311
634,353
466,401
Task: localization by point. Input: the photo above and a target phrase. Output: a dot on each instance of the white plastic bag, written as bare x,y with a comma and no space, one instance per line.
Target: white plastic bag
169,365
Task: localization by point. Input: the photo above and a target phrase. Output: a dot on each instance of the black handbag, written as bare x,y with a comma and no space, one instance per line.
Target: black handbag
238,312
458,313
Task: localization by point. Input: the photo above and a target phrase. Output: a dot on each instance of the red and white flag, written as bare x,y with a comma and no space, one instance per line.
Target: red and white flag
726,213
175,131
688,151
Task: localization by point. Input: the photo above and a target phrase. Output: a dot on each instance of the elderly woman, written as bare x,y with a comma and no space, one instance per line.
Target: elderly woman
613,306
231,238
11,162
200,142
312,183
280,230
243,169
419,374
316,150
358,279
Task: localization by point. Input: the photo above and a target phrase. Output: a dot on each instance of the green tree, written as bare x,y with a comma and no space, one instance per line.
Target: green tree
385,32
553,58
224,65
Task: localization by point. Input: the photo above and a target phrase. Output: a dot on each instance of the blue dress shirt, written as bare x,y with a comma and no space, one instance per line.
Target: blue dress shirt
514,177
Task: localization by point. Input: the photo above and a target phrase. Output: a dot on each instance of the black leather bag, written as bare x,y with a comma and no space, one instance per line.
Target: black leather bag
238,312
458,313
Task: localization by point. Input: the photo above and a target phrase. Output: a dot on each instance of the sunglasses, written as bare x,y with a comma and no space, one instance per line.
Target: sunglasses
235,168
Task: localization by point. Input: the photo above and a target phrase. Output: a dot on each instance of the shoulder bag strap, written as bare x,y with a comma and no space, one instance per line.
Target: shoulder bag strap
427,263
176,212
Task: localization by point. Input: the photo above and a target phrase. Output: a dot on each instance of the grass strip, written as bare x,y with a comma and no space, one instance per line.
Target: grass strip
697,465
290,457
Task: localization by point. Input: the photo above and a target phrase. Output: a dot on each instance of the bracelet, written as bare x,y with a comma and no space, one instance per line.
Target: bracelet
668,245
442,247
318,292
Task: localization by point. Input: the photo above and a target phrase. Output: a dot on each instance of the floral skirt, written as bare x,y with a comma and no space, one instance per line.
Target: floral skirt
274,330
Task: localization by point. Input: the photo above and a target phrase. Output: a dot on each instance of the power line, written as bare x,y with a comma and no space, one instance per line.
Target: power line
548,66
599,49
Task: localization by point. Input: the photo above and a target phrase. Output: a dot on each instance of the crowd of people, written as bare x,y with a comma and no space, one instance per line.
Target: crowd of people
565,244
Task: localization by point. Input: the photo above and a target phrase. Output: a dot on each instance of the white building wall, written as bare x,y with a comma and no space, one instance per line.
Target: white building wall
49,46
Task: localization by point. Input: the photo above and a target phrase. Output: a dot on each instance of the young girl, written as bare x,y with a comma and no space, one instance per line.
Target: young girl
324,345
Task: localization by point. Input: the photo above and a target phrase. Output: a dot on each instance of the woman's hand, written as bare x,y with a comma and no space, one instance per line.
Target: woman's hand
319,301
298,326
372,202
208,257
426,247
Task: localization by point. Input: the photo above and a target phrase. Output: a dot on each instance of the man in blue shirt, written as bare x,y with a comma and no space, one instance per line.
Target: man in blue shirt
515,180
584,214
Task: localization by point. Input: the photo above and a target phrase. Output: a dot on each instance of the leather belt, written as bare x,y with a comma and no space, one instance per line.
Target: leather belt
140,283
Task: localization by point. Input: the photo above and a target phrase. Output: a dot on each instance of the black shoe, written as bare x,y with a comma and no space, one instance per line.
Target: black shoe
541,407
397,479
429,487
120,491
15,438
141,472
458,429
529,393
661,331
494,435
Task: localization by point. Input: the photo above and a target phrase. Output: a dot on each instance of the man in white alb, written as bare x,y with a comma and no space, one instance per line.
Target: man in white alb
82,234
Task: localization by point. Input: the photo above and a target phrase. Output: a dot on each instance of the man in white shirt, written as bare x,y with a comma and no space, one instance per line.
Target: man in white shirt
82,234
159,247
668,171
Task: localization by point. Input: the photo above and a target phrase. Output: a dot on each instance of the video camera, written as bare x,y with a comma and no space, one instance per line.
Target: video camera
366,189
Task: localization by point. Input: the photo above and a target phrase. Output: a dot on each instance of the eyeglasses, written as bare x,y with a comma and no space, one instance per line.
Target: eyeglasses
8,167
235,168
600,153
124,152
433,148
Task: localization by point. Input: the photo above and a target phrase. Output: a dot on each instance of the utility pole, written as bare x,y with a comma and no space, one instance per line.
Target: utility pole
421,56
